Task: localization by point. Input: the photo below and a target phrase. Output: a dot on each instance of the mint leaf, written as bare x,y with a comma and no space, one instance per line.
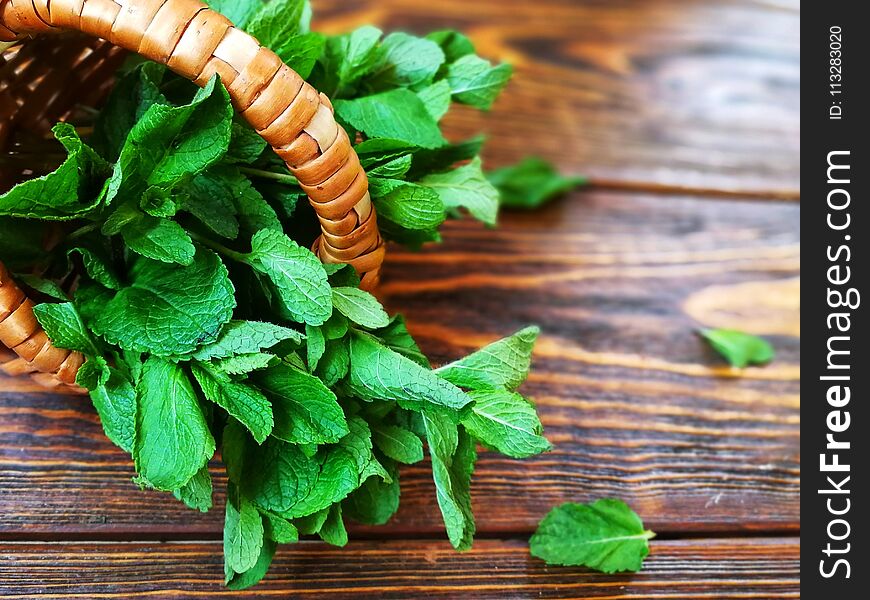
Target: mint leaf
306,411
531,183
279,529
287,482
65,327
300,52
97,267
94,373
170,143
245,403
406,61
246,337
605,535
738,348
335,362
437,99
115,401
360,307
396,337
453,457
276,21
506,422
169,310
455,44
173,441
242,364
237,11
159,239
379,373
240,581
376,500
466,187
502,364
196,493
399,444
398,114
411,206
70,192
46,287
333,530
243,533
296,273
348,58
246,145
476,81
315,347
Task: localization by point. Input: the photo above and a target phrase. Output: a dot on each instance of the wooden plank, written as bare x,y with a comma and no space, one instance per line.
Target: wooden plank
677,93
637,406
720,568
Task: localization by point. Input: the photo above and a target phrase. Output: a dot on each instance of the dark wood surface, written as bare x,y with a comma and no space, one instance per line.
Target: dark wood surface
685,115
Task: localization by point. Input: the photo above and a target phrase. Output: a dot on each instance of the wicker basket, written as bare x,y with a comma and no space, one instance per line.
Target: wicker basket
43,77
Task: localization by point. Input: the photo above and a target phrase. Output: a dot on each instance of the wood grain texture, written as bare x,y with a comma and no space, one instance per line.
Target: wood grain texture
725,568
676,93
636,404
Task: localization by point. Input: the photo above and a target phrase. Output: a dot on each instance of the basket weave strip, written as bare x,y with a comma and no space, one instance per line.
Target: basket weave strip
197,43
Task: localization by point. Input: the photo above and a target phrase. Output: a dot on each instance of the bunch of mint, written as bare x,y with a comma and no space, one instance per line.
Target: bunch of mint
178,264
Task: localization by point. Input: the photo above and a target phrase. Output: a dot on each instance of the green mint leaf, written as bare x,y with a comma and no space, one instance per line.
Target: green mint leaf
531,183
738,348
411,206
243,364
70,192
333,531
197,493
246,145
279,529
65,327
211,199
132,95
406,61
237,11
296,273
47,287
453,457
506,422
172,441
312,524
21,242
606,535
476,82
454,44
392,169
315,347
246,337
300,52
241,581
466,187
171,143
234,449
399,444
94,373
398,114
286,481
334,365
97,267
243,533
502,364
115,401
427,162
348,58
276,21
436,98
379,373
245,403
159,239
360,307
306,411
168,309
376,501
396,337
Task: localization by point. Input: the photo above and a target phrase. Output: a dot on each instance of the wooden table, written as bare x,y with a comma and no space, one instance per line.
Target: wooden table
685,113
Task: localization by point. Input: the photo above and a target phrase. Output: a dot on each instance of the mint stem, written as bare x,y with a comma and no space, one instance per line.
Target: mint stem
219,248
280,177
